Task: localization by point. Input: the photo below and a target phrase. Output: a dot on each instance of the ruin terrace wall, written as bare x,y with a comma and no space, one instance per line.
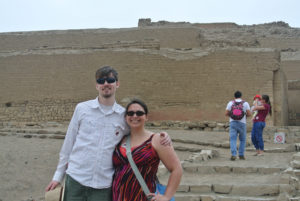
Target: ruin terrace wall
46,85
288,43
290,62
177,37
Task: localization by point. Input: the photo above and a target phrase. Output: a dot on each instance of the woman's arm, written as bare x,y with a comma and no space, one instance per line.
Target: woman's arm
259,107
169,158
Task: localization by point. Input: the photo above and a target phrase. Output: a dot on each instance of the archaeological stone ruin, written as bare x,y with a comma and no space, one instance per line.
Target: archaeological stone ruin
185,72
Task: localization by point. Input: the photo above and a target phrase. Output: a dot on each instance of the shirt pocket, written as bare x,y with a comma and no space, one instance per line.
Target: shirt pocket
88,128
117,133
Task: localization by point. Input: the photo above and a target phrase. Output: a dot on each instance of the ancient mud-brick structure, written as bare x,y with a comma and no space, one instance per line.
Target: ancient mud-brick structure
183,71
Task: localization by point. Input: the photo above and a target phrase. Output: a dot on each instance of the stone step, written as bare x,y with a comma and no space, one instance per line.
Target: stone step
217,197
196,146
181,142
227,169
34,131
34,135
234,184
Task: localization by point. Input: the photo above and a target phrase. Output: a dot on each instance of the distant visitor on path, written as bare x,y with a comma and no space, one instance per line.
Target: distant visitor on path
237,110
147,152
259,123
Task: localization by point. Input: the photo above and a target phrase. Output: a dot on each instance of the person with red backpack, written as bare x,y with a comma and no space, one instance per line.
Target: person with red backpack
237,110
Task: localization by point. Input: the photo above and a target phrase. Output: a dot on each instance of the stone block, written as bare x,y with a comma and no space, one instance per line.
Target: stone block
202,188
295,164
156,124
42,132
285,179
208,153
297,134
244,170
286,188
190,168
56,136
219,129
206,170
296,156
289,171
223,169
222,198
284,130
208,198
208,129
60,132
201,125
297,173
295,182
183,188
212,124
194,199
283,197
187,197
225,144
255,190
3,134
268,170
42,136
222,188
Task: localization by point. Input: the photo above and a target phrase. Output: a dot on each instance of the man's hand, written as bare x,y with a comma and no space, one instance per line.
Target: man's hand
52,185
165,139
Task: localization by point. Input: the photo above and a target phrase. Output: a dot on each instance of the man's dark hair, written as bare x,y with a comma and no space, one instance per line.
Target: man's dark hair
238,94
106,71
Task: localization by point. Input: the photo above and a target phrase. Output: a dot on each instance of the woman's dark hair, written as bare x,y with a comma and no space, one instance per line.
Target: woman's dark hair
137,101
267,100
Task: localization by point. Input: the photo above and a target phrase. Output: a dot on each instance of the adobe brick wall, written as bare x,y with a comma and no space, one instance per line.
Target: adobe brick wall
46,86
183,71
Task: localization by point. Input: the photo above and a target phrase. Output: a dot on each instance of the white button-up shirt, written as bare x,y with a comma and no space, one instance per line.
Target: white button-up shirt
92,135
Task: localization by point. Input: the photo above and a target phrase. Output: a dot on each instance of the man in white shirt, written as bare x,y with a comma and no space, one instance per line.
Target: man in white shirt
96,127
237,110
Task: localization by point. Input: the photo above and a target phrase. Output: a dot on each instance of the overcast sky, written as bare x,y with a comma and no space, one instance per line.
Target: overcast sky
33,15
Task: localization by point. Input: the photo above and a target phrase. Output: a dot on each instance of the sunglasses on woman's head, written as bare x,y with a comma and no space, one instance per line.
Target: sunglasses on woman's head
109,80
138,113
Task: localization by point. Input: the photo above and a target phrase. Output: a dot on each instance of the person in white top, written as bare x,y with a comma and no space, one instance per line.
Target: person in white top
96,127
237,110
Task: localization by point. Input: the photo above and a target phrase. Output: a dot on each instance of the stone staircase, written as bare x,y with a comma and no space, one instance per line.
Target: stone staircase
210,175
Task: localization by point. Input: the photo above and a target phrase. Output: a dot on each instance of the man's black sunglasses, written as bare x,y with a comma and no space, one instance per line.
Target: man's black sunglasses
138,113
109,80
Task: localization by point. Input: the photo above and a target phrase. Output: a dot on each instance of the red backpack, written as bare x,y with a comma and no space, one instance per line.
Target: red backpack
236,111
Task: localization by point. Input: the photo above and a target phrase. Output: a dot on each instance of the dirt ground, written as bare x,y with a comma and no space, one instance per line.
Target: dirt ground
28,163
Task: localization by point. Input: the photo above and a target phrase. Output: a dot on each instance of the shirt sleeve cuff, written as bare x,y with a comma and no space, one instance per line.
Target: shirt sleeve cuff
58,176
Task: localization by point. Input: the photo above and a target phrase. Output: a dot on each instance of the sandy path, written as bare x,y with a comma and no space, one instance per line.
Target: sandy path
27,166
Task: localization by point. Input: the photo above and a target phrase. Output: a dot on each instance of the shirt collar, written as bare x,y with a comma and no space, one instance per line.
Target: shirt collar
116,107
